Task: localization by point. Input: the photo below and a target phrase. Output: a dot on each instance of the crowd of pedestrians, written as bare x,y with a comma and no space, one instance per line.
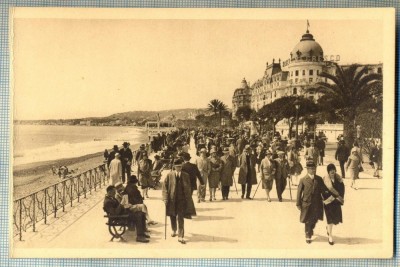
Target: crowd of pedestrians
264,160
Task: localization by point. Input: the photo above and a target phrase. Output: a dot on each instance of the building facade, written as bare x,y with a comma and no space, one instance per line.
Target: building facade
296,76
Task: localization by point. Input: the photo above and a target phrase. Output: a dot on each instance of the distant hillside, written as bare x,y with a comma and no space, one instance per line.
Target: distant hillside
178,114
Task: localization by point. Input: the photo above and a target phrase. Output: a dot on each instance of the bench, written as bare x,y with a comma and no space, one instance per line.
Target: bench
117,225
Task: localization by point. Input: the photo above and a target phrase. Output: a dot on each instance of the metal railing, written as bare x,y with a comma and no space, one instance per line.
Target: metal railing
33,208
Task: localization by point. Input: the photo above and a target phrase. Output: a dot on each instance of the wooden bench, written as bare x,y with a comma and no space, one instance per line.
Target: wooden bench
117,225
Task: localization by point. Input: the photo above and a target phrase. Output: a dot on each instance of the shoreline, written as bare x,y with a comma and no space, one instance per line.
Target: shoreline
31,177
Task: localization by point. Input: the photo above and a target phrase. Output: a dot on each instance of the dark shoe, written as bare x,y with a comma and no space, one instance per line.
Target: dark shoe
142,239
331,243
280,200
268,199
198,201
249,198
242,196
210,199
152,223
173,234
308,240
182,241
146,235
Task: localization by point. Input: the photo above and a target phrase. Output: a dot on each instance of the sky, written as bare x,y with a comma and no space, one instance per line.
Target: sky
75,68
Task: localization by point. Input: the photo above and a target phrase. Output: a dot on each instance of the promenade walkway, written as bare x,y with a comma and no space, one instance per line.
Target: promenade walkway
241,226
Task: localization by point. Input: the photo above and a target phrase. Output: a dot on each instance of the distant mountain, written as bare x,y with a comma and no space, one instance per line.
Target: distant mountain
178,114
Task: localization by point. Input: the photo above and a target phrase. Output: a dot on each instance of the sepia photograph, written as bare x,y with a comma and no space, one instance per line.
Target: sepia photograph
202,133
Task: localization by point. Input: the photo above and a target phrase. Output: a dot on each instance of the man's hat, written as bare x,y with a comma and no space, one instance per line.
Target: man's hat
115,147
119,184
142,146
310,164
178,162
185,156
125,144
203,150
247,147
280,153
226,150
133,179
268,152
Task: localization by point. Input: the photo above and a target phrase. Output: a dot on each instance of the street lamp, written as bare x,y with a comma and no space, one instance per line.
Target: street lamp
297,106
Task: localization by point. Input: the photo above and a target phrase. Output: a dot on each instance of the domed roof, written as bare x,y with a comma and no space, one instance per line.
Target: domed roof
307,47
244,89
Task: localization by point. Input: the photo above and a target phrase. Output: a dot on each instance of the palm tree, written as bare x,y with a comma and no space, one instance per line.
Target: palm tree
213,106
350,87
221,108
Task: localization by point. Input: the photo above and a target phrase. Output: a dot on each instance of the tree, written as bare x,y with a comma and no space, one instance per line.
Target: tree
284,108
350,87
244,112
217,106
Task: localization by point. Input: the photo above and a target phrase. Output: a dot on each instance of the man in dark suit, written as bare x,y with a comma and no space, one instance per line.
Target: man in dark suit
247,171
309,199
126,161
112,207
177,196
192,170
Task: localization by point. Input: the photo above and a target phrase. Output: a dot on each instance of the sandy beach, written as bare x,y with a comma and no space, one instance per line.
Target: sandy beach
31,177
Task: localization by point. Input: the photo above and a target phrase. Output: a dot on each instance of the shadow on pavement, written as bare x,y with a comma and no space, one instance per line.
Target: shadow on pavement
347,240
208,209
209,238
211,218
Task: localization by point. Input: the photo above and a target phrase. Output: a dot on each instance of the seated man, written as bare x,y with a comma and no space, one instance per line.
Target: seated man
132,199
112,207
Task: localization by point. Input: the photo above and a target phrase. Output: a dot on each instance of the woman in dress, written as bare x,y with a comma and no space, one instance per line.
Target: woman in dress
333,200
294,164
145,168
267,169
215,174
353,167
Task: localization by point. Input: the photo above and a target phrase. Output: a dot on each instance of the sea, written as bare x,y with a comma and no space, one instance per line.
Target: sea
37,143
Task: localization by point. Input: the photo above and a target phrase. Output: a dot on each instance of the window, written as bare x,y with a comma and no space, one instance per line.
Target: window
310,80
295,91
291,73
304,72
296,80
275,93
311,72
317,72
297,73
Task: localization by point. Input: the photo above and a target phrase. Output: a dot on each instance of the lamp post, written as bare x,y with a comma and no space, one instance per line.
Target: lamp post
297,106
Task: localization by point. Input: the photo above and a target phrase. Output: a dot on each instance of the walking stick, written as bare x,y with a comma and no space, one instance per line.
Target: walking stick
257,187
165,228
290,189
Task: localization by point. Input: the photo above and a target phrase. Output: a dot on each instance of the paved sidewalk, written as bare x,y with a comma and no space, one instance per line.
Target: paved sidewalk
236,224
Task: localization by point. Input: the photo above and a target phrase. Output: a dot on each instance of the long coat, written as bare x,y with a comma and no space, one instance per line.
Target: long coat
228,170
145,173
268,170
204,166
168,194
309,199
243,168
313,153
215,174
194,173
115,171
333,210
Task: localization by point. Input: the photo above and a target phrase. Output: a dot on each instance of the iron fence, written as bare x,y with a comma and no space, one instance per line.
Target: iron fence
38,206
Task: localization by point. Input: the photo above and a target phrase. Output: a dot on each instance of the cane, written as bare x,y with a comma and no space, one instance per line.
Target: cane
257,187
165,228
290,189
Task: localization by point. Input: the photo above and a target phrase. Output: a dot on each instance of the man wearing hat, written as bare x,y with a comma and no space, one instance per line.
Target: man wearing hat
309,199
204,166
247,171
115,170
177,196
312,153
192,170
282,172
111,156
227,172
126,160
342,154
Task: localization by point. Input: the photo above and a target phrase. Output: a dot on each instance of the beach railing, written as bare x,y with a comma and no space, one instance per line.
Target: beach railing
29,210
